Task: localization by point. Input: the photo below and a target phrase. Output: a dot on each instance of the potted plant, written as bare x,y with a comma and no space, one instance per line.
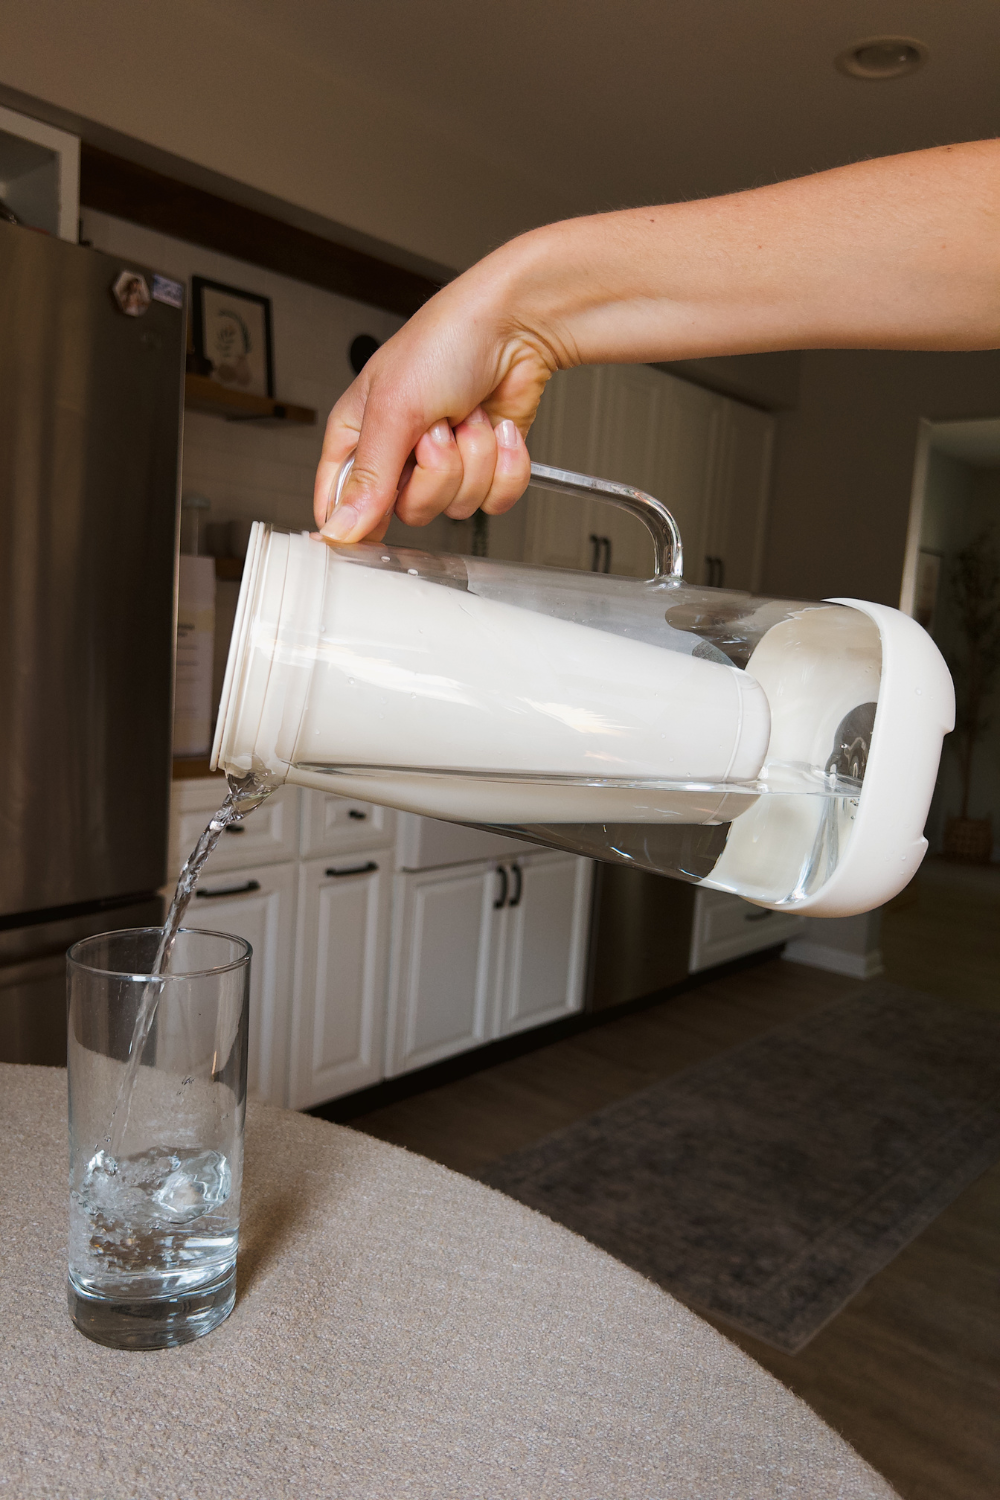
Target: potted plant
975,599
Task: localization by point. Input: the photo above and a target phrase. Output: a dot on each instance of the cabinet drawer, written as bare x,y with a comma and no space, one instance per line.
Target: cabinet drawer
431,843
268,835
727,927
332,824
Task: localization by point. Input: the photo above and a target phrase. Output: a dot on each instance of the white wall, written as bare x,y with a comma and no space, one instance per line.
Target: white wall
843,945
844,465
248,471
264,473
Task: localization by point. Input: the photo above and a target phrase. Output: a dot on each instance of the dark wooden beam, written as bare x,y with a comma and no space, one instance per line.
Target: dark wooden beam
128,191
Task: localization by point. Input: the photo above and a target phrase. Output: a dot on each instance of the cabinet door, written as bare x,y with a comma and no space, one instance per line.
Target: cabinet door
338,1014
685,461
625,450
331,825
546,923
268,835
440,992
638,426
259,905
563,436
727,927
737,519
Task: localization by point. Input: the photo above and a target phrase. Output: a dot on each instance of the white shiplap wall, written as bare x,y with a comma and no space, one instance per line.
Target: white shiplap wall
261,473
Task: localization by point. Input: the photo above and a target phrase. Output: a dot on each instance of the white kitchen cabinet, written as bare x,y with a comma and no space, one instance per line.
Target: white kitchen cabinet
543,942
425,843
727,927
658,434
707,457
732,545
558,526
258,904
485,934
333,825
268,835
338,1011
442,986
483,950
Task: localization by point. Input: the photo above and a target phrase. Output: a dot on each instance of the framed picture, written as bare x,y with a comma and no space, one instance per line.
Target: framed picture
232,335
928,580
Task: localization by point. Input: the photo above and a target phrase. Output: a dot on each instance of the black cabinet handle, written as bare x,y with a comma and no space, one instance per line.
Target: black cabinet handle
229,890
356,814
606,546
715,567
595,552
515,900
502,898
234,828
365,869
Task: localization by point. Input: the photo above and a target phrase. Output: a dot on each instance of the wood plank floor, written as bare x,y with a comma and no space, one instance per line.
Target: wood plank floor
909,1371
943,934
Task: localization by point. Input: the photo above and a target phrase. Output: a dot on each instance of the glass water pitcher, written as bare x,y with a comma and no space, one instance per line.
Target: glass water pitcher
782,750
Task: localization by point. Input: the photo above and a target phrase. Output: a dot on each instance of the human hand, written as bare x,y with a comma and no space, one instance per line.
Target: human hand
437,419
897,253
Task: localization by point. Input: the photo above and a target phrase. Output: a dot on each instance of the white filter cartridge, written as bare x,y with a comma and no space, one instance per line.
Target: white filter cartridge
351,671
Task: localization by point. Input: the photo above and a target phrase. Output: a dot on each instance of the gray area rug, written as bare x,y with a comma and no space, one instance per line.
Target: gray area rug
768,1184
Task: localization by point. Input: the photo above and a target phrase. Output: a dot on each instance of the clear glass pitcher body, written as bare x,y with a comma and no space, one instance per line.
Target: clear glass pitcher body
698,732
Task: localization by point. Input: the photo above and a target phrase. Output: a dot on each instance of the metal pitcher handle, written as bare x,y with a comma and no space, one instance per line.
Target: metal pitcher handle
668,552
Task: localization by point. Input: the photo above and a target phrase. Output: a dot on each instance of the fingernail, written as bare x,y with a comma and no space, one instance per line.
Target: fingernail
477,416
340,524
441,433
507,434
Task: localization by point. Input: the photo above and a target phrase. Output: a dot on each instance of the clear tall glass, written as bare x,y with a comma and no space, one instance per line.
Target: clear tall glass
156,1145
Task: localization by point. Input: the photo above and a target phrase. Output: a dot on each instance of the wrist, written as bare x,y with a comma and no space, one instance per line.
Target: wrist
527,291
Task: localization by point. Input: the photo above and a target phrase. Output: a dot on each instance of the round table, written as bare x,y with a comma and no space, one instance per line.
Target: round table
400,1331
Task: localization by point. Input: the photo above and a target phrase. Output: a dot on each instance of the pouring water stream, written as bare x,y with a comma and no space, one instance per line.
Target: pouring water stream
245,794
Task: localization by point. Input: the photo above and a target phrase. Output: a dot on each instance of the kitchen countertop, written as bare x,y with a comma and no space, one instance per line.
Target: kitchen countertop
399,1331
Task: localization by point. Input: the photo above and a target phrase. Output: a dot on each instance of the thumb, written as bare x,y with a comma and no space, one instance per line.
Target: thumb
380,452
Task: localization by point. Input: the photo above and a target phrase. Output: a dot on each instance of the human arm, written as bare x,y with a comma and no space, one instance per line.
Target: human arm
901,252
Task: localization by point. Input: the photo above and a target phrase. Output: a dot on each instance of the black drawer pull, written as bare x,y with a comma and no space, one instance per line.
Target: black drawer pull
229,890
357,814
234,828
365,869
515,900
757,916
502,898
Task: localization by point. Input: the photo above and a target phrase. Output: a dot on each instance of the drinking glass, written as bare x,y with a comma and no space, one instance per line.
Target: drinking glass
156,1140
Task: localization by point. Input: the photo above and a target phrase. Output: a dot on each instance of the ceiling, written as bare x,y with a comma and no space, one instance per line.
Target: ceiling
439,128
612,102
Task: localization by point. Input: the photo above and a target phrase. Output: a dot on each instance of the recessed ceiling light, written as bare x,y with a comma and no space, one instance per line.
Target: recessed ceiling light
883,57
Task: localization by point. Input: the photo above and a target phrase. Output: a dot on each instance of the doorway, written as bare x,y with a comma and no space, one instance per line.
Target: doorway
943,932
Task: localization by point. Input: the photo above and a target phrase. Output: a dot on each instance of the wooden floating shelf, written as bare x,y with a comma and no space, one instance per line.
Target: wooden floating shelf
201,393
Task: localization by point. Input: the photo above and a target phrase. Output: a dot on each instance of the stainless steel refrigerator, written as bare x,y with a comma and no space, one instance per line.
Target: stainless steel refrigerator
90,418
